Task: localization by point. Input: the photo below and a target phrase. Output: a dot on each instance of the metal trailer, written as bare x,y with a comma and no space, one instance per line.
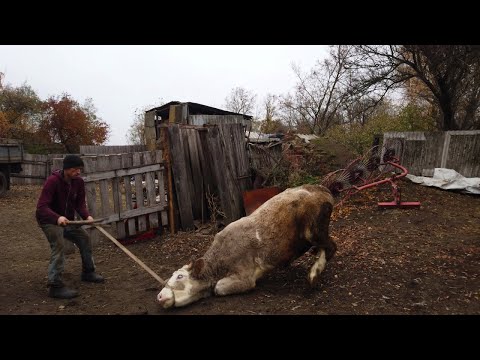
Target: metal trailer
11,158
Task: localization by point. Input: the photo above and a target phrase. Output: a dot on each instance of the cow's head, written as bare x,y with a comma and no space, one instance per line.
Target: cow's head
183,288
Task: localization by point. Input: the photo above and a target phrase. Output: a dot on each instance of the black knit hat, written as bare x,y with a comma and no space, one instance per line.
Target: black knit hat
72,161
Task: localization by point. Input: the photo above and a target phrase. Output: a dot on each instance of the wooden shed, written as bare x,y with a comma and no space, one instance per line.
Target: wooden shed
205,155
188,113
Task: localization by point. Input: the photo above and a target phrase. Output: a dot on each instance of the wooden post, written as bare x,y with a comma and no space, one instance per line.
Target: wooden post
161,188
168,172
91,195
139,198
150,186
180,177
127,162
116,164
172,115
446,147
150,132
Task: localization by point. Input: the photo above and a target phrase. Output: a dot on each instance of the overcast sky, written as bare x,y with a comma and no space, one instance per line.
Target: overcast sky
122,78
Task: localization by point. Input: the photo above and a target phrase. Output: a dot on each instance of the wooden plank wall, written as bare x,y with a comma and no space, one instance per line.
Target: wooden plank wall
218,120
464,153
128,190
181,178
111,149
208,159
425,151
35,169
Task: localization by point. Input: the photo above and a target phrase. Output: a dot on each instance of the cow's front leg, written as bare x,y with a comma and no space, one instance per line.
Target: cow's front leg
318,266
234,284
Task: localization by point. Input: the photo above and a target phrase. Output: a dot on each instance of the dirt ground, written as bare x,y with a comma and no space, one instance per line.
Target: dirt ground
395,261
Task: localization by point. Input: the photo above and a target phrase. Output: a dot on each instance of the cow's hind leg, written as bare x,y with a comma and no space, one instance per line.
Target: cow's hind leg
330,249
318,266
234,284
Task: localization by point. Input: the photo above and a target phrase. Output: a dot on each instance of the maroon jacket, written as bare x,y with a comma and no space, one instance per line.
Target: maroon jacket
59,198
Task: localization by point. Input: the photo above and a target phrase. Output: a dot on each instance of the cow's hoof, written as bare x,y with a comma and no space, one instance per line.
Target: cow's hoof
219,290
313,277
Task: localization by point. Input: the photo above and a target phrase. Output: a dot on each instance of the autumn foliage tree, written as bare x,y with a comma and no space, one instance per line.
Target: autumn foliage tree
20,111
67,122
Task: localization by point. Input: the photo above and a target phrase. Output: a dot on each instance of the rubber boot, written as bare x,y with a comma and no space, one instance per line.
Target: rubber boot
92,277
62,292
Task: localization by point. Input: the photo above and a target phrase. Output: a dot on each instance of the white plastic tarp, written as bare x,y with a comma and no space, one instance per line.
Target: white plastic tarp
448,179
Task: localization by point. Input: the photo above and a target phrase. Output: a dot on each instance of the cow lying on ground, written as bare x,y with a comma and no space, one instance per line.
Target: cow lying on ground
278,232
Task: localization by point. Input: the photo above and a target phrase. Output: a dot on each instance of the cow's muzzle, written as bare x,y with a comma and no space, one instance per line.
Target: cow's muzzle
166,298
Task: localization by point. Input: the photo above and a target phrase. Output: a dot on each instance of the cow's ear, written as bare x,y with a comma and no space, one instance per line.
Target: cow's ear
197,267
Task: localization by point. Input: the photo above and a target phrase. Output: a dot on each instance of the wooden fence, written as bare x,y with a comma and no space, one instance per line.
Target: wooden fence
111,149
127,190
424,151
35,169
208,162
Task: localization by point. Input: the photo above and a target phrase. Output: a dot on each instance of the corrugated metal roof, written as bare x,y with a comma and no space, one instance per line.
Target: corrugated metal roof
194,109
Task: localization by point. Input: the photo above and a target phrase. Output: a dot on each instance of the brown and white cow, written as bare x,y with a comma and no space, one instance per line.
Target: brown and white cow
278,232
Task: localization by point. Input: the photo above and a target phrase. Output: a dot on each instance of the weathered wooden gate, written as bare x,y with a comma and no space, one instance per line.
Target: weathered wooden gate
127,190
130,190
208,159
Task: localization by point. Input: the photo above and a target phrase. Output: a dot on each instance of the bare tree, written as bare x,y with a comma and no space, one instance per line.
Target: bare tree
240,100
136,131
451,73
319,94
270,122
271,107
358,110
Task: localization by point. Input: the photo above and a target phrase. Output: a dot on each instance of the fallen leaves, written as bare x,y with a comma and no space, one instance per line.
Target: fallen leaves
392,261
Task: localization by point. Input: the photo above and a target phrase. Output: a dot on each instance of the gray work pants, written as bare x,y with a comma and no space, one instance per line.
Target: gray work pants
56,236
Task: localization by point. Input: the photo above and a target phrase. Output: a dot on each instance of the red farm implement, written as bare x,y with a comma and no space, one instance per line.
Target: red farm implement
366,172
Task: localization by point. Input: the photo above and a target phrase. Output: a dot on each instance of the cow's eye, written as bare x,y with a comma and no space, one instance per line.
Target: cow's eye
179,277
